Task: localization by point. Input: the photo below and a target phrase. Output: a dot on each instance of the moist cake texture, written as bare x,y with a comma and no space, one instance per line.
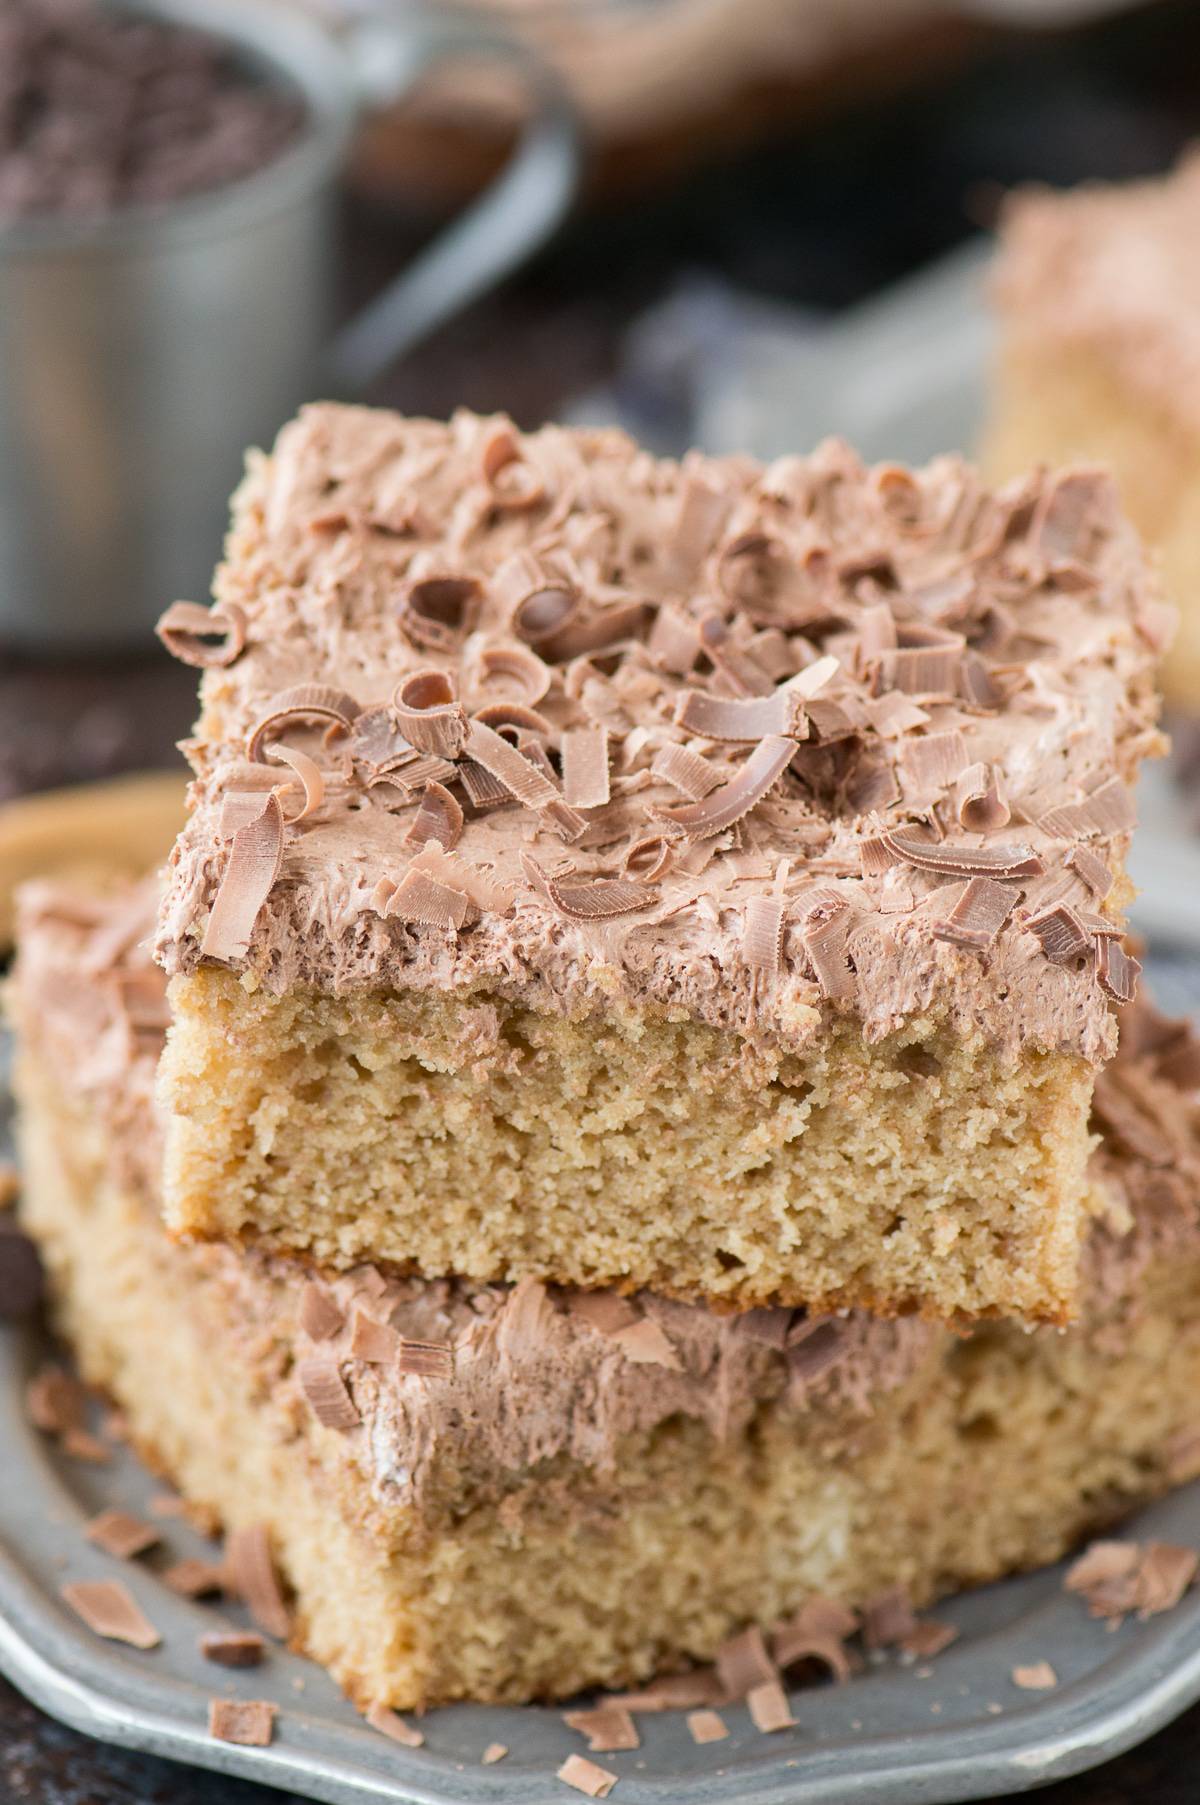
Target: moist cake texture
1098,292
504,1492
689,876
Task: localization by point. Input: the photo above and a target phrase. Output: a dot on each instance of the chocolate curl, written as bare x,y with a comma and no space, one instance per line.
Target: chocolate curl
325,1389
980,801
742,718
248,879
531,787
309,774
825,933
762,935
525,720
437,612
428,715
685,770
963,861
727,805
514,483
599,899
515,667
188,630
1108,811
439,818
980,911
378,742
1117,972
305,702
251,1572
650,858
542,602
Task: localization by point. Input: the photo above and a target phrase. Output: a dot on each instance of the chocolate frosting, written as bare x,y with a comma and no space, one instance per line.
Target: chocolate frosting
440,1383
822,691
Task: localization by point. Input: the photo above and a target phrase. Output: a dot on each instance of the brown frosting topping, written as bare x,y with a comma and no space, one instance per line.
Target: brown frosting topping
420,1378
663,697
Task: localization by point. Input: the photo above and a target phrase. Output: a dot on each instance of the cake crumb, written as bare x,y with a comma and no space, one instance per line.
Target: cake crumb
707,1726
587,1777
250,1722
1038,1676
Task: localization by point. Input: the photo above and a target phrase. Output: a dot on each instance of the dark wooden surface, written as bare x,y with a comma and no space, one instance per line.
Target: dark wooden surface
821,218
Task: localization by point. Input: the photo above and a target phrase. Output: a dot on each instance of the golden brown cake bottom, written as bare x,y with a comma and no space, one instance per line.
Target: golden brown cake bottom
987,1454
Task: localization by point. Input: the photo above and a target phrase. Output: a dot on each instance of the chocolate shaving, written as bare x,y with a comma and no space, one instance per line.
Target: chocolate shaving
934,761
193,1578
674,1692
743,1662
251,1574
585,767
740,718
649,859
309,774
233,1648
1107,812
21,1278
1092,869
825,932
706,1726
55,1401
980,910
247,880
888,1619
733,800
439,818
121,1535
674,641
762,935
516,665
495,1751
963,861
1105,1576
531,787
393,1726
426,1359
514,483
110,1610
457,874
1117,972
201,636
1060,931
318,1315
976,685
586,1777
601,898
685,770
310,702
249,1722
424,769
1066,517
483,790
607,1728
768,1707
428,714
742,673
80,1444
979,800
325,1389
378,742
437,612
1038,1676
421,898
645,1344
927,1639
921,670
1164,1573
604,1311
375,1342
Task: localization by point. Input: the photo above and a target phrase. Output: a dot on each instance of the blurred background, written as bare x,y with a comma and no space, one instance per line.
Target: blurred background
700,203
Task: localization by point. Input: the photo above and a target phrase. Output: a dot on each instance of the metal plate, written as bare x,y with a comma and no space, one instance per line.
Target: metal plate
953,1730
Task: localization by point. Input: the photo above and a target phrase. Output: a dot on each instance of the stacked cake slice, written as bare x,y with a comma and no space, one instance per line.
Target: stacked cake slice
641,954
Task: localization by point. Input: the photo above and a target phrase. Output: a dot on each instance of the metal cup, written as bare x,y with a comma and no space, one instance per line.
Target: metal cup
141,354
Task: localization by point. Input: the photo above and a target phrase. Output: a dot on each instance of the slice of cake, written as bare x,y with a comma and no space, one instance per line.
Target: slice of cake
496,1493
685,876
1098,292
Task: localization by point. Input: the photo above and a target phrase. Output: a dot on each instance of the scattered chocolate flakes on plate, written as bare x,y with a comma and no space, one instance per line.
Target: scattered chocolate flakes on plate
110,1610
250,1722
586,1777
